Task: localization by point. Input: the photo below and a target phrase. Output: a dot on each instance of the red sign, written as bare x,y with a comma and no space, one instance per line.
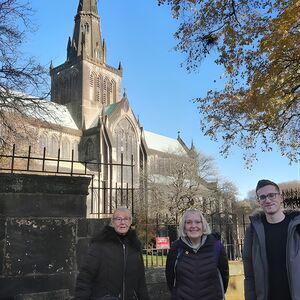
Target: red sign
162,242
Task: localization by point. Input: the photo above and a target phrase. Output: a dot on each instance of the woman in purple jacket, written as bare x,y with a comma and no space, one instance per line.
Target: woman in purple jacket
197,265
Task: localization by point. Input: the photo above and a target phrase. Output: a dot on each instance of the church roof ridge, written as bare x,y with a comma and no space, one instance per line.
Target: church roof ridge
163,143
54,113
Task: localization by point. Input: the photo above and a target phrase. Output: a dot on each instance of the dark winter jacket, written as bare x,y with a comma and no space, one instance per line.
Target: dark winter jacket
113,266
202,275
256,262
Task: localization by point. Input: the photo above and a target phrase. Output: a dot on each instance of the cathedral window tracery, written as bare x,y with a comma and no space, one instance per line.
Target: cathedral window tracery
99,87
92,75
113,92
65,148
86,27
126,144
53,146
43,142
103,90
96,82
104,94
75,150
95,88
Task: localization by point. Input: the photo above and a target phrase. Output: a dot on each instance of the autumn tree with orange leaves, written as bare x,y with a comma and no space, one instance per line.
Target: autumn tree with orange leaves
258,45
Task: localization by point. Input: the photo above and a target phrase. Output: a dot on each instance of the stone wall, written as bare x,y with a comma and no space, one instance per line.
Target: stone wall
156,284
38,234
43,196
43,235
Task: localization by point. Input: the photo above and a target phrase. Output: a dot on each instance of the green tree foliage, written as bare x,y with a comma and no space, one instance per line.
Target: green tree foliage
258,45
20,75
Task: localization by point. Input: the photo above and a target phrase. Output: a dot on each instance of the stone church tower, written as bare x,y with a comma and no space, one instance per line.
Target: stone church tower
91,91
88,119
85,83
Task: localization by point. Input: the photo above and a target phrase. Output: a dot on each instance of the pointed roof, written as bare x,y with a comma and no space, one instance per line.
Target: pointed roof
192,145
163,143
87,6
42,110
86,41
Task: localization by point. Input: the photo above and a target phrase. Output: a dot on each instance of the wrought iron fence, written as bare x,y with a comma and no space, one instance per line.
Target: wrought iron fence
230,227
104,194
291,198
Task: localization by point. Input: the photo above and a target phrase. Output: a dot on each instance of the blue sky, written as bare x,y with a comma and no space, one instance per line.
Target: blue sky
140,35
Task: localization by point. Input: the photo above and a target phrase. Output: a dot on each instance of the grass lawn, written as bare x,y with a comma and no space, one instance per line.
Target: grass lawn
155,260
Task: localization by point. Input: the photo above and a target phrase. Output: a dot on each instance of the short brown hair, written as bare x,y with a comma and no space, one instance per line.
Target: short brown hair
263,182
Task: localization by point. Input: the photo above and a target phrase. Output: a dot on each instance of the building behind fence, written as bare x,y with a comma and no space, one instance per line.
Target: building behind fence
105,195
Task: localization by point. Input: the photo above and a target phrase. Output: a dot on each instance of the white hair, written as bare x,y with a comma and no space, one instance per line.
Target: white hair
122,209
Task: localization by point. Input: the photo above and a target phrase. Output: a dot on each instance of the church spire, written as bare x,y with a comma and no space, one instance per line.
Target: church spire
87,34
87,6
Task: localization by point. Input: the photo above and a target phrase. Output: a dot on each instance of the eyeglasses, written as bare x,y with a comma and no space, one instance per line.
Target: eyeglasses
270,196
190,222
119,220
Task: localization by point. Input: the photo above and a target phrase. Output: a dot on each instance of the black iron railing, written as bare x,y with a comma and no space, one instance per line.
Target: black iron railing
105,193
291,198
230,227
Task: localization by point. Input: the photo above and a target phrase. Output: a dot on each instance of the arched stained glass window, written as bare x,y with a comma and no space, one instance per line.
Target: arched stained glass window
99,88
126,144
53,146
92,76
75,150
43,143
105,91
65,148
113,92
95,88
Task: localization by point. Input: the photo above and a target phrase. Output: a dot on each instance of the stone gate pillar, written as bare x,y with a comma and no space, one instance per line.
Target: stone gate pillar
38,233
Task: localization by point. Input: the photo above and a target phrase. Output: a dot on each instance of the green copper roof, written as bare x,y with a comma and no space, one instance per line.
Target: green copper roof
109,109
